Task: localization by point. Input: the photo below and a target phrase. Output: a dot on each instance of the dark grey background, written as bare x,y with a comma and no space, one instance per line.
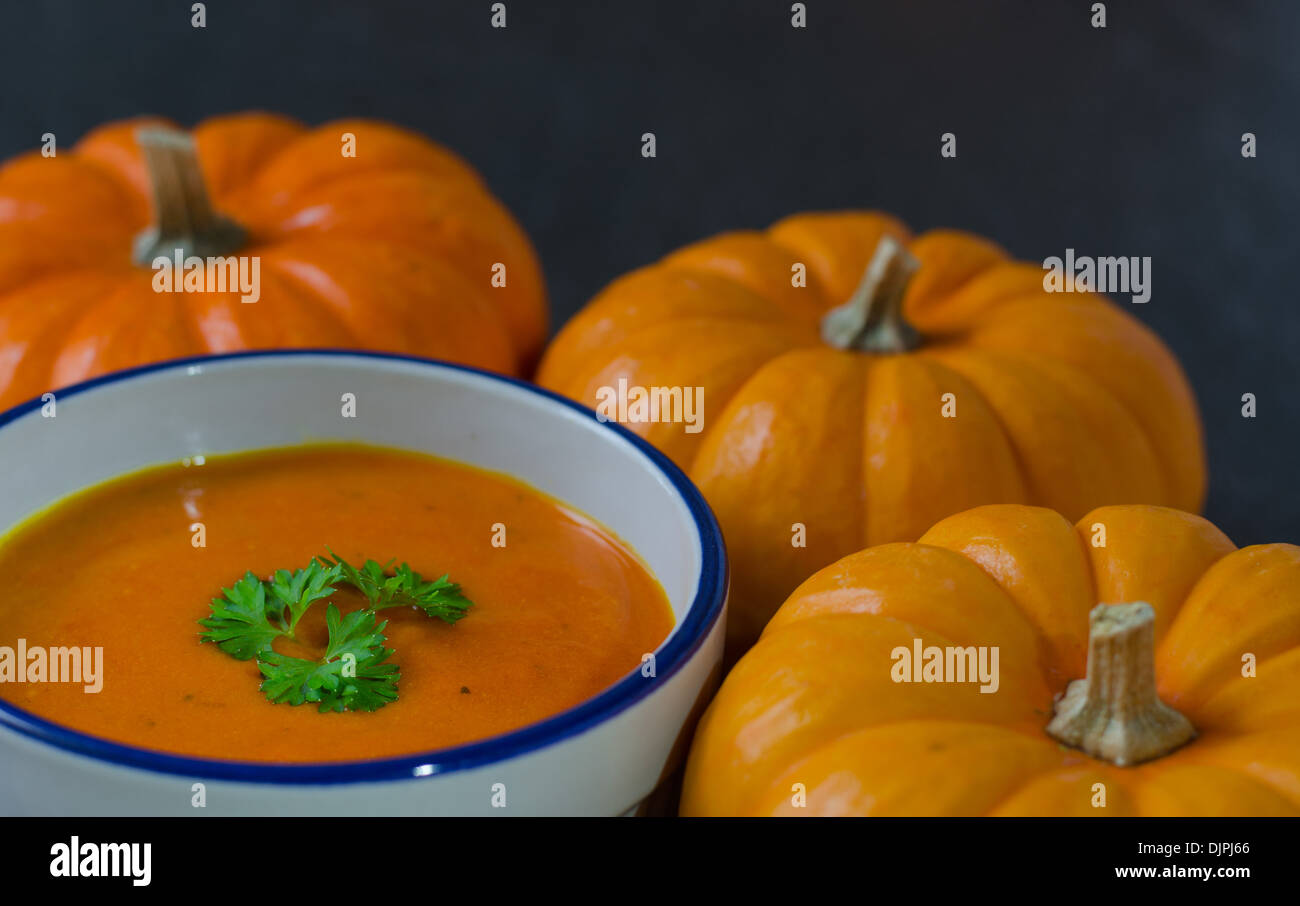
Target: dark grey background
1117,141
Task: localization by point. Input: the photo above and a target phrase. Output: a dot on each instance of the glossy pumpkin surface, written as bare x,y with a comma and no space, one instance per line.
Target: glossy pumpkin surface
809,452
392,249
814,707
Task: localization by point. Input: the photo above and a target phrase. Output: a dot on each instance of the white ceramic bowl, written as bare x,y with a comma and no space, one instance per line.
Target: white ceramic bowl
600,758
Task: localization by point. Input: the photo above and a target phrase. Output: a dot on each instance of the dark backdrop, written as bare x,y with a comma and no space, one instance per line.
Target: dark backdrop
1117,141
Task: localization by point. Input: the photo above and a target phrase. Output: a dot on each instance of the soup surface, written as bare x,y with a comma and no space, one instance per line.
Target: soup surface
561,611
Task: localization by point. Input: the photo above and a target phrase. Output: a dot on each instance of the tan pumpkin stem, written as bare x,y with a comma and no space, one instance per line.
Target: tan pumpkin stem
1115,713
183,216
872,319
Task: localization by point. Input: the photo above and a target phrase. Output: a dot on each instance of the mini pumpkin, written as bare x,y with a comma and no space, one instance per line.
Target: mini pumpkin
860,384
365,234
1146,666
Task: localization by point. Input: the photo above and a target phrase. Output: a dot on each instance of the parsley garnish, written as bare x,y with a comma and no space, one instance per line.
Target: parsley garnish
352,674
439,598
356,640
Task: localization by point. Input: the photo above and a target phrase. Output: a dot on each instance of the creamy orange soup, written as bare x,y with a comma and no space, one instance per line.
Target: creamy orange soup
562,610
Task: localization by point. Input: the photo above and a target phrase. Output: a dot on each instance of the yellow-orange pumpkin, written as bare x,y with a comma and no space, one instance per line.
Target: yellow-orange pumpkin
828,426
392,249
813,721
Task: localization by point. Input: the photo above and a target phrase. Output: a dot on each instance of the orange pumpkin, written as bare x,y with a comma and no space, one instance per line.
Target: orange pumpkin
392,249
860,384
1190,706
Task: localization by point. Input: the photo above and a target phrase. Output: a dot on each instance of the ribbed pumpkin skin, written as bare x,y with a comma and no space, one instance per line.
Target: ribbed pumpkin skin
391,250
1063,399
813,701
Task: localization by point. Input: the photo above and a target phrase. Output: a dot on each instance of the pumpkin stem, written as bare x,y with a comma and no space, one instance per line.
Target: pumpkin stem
183,216
1115,714
872,319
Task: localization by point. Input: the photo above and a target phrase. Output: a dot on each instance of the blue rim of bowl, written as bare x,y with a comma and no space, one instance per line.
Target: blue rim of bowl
704,611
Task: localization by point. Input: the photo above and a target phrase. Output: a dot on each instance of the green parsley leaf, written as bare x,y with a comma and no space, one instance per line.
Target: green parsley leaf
251,615
298,590
439,598
352,676
241,624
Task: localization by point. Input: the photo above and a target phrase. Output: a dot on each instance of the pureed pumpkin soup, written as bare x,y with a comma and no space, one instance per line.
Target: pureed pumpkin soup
540,609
